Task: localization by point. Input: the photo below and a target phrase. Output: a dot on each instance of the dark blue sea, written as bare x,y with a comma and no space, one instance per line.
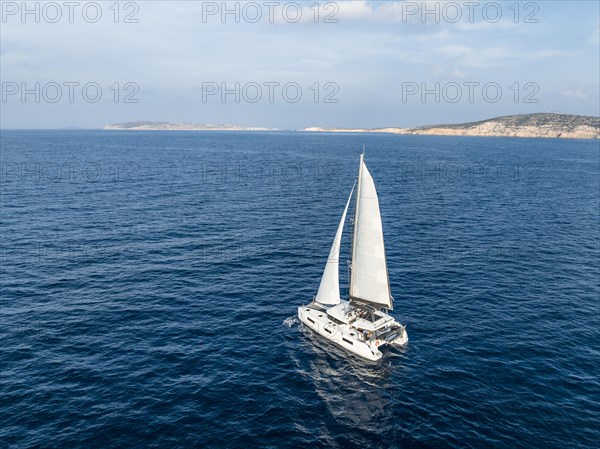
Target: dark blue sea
149,285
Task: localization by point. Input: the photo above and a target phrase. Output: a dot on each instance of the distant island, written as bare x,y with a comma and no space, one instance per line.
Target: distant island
564,126
167,126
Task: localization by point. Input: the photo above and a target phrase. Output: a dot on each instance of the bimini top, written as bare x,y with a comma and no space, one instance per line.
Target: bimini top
348,314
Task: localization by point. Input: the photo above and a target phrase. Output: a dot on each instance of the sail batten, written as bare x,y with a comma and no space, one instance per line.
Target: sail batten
329,289
369,281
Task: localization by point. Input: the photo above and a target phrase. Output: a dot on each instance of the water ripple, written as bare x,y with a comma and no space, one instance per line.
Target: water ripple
155,306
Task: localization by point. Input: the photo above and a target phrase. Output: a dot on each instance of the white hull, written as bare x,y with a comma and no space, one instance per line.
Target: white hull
340,325
361,327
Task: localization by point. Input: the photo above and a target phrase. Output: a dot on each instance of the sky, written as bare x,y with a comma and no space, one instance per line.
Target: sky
291,65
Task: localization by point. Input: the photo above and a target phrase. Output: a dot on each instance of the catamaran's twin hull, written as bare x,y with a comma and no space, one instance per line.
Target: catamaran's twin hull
361,329
347,336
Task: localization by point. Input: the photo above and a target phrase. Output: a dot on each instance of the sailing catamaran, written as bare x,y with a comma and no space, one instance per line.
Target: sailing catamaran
361,324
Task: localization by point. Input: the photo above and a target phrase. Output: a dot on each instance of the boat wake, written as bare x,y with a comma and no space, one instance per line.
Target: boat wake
291,321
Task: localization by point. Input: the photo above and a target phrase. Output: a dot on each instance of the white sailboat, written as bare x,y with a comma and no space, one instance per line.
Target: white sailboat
360,324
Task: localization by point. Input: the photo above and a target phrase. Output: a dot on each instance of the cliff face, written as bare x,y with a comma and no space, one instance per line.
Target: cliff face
528,125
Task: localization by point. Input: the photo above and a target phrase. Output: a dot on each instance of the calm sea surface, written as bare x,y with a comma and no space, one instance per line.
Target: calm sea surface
149,285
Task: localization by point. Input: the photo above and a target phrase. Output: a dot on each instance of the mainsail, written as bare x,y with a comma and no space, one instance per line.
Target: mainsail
369,281
329,289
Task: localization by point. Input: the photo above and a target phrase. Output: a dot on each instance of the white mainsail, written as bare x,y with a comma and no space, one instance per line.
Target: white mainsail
329,289
369,281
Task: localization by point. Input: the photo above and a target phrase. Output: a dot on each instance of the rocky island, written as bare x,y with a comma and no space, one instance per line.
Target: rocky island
564,126
167,126
548,125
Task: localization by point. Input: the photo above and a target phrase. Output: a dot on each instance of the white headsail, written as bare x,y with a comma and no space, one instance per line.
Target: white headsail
369,280
329,289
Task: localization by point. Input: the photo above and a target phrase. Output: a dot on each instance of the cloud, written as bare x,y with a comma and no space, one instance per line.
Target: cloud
369,52
578,94
456,73
595,37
